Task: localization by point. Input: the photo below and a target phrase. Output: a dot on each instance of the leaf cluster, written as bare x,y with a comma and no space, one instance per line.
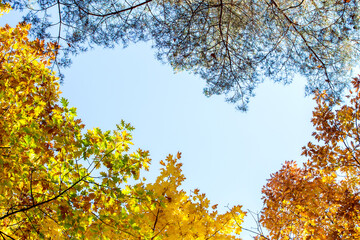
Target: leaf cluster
320,200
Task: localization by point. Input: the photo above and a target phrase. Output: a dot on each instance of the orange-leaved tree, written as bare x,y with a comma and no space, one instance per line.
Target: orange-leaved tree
58,182
321,198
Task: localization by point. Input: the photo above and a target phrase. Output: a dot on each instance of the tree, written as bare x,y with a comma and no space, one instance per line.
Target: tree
233,45
320,200
60,182
173,214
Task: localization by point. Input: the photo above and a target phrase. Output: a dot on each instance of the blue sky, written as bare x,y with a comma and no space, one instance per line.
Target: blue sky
227,154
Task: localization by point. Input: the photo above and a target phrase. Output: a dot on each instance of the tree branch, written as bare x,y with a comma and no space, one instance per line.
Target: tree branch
111,13
44,202
293,25
2,233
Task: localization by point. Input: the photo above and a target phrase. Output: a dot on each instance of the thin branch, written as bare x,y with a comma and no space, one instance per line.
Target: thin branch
2,233
31,187
111,13
44,202
59,195
156,219
246,229
298,5
306,43
160,231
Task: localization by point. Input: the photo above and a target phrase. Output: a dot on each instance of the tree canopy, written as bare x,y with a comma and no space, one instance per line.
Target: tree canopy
320,200
59,181
233,45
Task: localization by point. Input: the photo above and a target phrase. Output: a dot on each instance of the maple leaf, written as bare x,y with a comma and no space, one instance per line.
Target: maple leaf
321,198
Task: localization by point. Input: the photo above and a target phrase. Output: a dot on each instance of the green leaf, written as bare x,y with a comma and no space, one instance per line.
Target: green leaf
64,102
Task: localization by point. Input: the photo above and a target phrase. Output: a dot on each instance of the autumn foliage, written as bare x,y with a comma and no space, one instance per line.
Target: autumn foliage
320,199
59,181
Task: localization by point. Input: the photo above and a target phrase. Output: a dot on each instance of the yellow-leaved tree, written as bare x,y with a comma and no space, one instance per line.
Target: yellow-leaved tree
321,199
58,182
